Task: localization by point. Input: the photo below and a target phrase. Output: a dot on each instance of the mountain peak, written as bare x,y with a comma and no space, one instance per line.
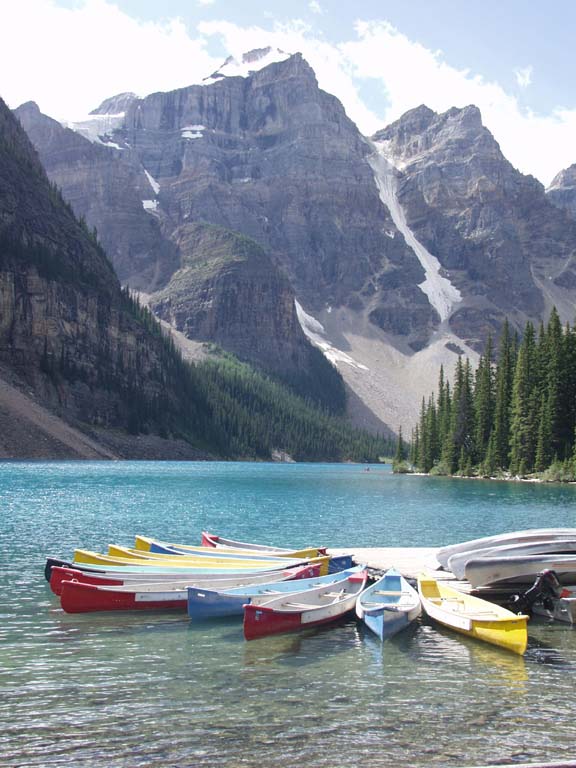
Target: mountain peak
249,62
29,108
114,105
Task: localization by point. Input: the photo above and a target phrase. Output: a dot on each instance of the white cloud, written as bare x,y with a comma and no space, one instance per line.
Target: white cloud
70,59
523,76
84,54
411,74
315,7
205,2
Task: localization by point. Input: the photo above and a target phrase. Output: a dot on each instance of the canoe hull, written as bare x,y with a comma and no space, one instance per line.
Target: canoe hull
212,604
290,613
389,605
78,597
260,621
504,539
385,623
59,575
473,617
145,544
212,540
457,563
483,571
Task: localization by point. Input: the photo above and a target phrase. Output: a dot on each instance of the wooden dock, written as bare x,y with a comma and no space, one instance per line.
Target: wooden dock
410,561
413,561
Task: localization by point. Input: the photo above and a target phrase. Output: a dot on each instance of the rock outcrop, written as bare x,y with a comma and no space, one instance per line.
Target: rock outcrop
562,191
109,189
229,292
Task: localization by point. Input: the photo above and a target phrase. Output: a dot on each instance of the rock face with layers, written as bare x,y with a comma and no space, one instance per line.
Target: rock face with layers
229,292
277,159
109,189
421,239
504,245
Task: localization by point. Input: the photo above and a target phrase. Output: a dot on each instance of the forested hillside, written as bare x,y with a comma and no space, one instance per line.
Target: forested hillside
82,347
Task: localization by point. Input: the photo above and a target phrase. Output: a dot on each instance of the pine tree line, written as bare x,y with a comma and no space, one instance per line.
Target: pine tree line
515,416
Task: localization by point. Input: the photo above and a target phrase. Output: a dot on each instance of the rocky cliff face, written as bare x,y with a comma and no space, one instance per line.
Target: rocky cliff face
227,291
67,332
562,191
275,158
503,244
108,188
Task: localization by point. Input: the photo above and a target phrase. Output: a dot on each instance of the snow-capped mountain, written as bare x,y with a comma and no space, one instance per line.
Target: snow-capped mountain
402,250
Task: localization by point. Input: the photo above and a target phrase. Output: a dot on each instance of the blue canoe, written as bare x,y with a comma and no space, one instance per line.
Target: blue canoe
211,604
389,605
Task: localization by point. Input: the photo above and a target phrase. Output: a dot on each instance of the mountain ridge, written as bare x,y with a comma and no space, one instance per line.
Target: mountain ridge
269,155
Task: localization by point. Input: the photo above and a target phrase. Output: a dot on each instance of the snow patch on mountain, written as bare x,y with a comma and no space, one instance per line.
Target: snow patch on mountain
248,63
193,131
150,205
442,295
96,128
314,330
152,181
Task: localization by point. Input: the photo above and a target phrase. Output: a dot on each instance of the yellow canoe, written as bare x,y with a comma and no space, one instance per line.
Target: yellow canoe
114,550
95,558
143,544
473,616
124,556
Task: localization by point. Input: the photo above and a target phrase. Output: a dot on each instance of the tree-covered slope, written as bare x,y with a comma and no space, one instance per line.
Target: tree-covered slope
84,347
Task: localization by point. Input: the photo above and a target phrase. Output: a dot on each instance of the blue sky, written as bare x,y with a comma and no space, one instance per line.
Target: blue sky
492,37
515,60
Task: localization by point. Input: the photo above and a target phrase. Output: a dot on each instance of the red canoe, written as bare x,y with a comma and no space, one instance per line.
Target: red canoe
301,610
81,592
78,597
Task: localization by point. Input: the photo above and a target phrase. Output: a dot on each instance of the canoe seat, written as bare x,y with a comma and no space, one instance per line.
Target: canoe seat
387,592
332,595
298,606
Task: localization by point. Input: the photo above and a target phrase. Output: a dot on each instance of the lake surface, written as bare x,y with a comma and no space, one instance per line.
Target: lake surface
149,689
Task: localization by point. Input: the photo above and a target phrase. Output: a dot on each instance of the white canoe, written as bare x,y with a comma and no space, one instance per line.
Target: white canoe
288,613
457,563
504,539
483,571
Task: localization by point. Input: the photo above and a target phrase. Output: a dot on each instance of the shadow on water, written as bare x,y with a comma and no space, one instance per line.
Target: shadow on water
307,647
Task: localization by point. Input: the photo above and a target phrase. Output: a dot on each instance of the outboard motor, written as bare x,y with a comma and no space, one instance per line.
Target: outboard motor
544,590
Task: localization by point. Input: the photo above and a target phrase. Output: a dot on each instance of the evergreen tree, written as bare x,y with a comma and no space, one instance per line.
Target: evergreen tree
400,452
503,395
522,442
483,403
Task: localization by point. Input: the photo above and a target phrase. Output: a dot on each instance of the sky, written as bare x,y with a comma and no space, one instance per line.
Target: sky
514,60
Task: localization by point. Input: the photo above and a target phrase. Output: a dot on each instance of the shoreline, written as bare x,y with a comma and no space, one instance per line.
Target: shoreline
510,479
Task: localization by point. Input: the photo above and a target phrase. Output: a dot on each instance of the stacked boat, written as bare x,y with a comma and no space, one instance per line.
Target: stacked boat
155,575
516,557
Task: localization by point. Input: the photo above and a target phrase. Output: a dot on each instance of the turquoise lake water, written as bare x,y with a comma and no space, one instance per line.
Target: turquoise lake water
149,689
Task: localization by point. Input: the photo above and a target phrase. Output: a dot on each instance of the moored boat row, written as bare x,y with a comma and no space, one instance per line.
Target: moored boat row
273,590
